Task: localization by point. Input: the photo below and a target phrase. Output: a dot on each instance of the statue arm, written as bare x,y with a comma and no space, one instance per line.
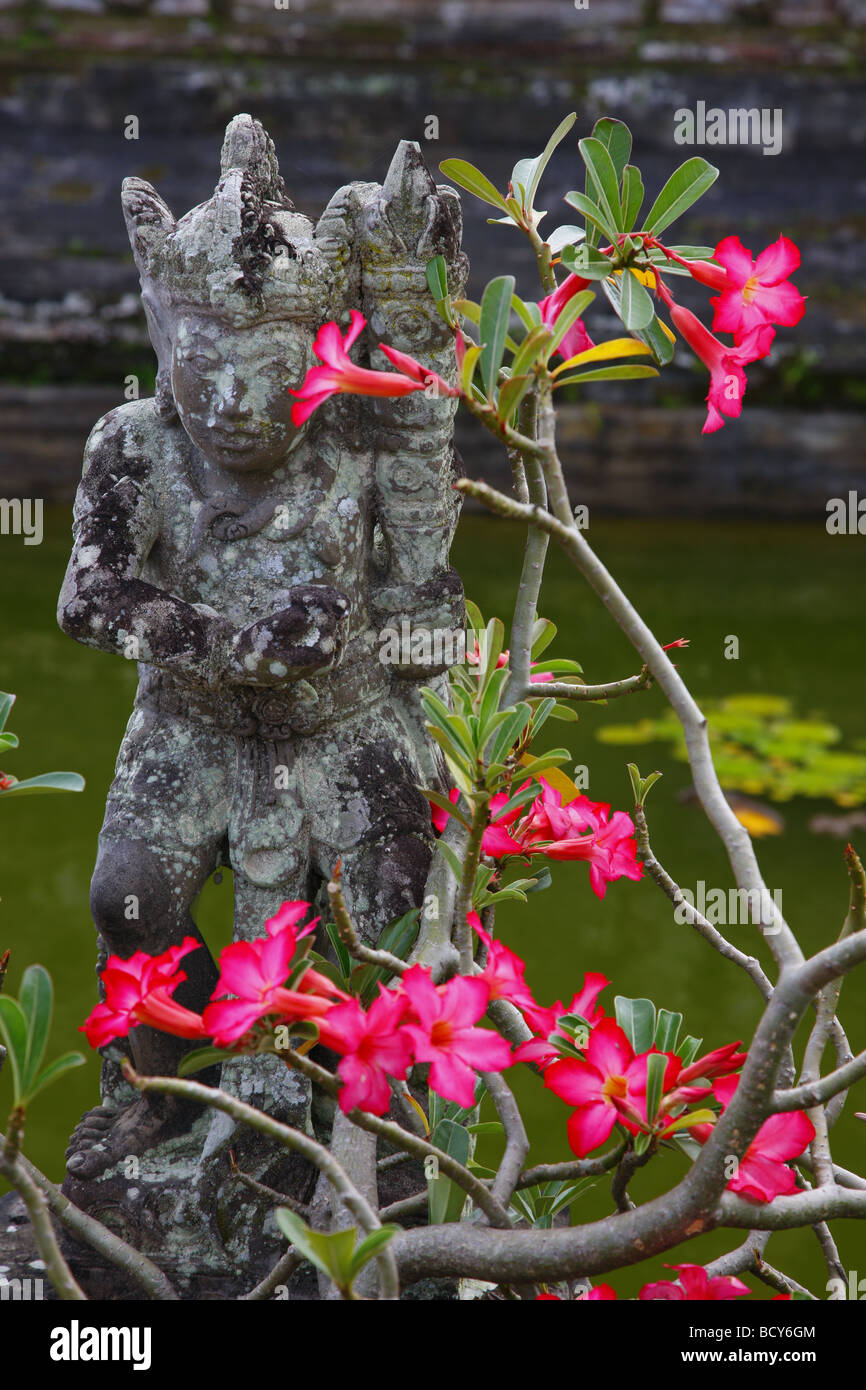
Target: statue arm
104,602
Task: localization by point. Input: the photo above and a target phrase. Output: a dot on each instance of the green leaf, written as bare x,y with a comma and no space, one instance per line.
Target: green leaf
684,187
530,350
536,167
510,732
598,218
201,1057
616,138
475,616
54,1071
344,960
510,395
332,1253
445,1199
625,373
566,235
667,1030
486,1127
656,1066
642,1142
468,309
558,664
371,1246
47,782
543,633
636,306
587,262
13,1030
528,313
637,1019
467,371
444,804
493,328
437,277
36,999
467,176
689,1049
632,196
554,758
490,647
604,178
8,741
6,703
695,1117
654,335
490,703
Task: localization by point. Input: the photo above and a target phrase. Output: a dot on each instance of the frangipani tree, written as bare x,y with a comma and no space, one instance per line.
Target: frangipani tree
440,991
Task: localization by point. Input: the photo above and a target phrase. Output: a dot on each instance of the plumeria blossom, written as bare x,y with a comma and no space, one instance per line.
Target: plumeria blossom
604,1087
576,339
763,1172
756,292
139,990
373,1047
725,364
695,1285
444,1034
256,972
582,829
340,375
543,1049
496,840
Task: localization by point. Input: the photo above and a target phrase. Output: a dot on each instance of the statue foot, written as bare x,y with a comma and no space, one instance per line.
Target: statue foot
104,1137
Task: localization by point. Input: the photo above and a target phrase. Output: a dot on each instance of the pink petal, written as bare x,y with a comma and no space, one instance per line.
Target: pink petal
589,1127
778,261
732,254
453,1079
609,1050
575,1082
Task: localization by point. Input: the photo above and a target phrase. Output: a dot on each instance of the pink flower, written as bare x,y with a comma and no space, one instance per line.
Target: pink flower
719,1062
762,1172
727,378
504,972
542,1050
695,1286
341,375
373,1047
255,971
601,1086
601,1293
756,293
576,339
139,990
496,840
582,829
444,1034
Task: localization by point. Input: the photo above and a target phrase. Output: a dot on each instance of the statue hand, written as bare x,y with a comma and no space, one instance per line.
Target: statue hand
305,636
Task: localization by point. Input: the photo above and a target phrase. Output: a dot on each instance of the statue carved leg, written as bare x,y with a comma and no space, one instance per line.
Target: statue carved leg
140,899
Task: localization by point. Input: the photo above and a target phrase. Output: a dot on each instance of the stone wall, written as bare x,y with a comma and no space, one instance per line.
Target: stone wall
338,84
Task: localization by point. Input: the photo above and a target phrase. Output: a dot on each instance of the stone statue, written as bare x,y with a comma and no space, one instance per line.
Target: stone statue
249,567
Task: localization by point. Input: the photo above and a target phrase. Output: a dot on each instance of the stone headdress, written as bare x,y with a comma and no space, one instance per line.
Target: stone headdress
244,256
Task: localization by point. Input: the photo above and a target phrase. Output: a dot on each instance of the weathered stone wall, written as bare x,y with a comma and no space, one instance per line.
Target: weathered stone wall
338,84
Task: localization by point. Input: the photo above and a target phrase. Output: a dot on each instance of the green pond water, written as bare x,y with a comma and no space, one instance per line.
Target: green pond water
793,596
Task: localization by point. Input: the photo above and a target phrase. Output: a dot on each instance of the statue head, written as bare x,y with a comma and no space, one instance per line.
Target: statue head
234,293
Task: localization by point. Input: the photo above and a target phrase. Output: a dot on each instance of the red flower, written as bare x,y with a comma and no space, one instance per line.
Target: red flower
582,829
695,1286
474,659
756,293
341,375
542,1049
444,1034
373,1047
576,339
601,1293
496,840
504,972
762,1172
602,1088
139,990
255,971
727,378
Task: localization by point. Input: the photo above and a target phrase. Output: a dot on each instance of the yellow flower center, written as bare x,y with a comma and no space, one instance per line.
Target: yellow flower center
749,289
615,1087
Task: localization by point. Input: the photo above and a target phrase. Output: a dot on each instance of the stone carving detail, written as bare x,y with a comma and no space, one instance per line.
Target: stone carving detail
249,567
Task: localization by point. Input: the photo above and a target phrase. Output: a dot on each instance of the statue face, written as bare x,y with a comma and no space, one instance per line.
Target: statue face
230,387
